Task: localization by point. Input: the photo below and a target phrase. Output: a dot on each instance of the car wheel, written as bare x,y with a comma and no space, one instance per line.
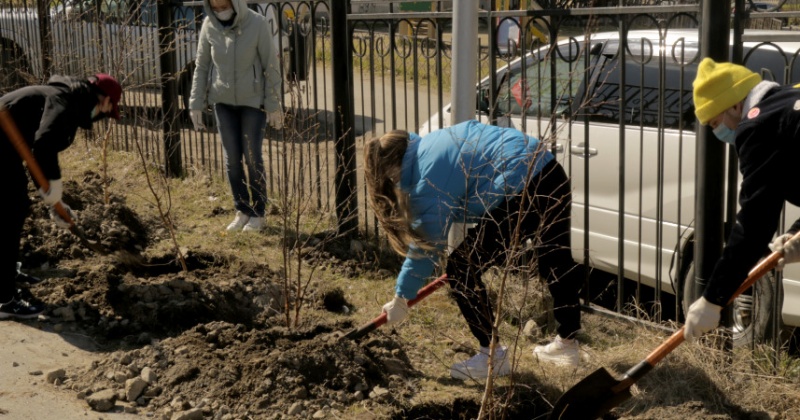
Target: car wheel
752,310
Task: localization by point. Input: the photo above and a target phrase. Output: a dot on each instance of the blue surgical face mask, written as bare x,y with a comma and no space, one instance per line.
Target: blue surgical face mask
725,134
225,15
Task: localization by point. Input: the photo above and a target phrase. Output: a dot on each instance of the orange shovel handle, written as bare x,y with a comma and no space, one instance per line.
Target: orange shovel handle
760,270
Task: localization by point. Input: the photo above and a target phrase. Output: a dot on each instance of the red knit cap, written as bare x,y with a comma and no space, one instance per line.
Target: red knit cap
112,89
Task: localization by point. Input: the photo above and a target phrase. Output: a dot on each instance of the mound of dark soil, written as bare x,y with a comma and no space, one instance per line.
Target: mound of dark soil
220,369
201,341
102,216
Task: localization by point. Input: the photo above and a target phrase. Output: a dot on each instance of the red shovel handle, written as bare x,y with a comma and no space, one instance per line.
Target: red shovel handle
380,320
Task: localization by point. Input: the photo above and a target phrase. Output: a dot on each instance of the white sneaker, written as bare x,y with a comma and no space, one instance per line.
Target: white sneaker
238,222
477,367
561,352
255,224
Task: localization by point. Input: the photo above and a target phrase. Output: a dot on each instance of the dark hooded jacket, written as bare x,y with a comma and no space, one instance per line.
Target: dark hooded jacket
767,142
48,116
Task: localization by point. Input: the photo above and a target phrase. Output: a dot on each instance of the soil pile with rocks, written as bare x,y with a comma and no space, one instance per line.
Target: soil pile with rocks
209,341
102,216
225,370
202,343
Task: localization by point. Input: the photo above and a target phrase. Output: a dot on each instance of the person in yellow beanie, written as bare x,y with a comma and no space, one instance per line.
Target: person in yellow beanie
761,119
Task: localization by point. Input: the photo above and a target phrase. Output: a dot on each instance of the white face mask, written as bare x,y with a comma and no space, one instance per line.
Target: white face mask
224,15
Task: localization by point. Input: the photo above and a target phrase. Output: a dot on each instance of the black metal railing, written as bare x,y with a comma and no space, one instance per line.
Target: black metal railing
607,87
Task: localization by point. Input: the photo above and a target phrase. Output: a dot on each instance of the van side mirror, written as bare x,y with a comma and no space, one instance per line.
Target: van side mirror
483,100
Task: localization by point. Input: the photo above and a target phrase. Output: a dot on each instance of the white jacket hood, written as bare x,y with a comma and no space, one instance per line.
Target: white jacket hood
238,7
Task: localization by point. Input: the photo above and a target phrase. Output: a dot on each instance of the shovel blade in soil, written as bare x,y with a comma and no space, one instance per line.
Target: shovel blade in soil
590,398
93,245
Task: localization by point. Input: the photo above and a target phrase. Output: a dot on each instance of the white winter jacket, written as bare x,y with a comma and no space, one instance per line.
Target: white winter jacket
238,64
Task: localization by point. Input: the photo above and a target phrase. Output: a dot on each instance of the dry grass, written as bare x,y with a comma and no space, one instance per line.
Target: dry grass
694,378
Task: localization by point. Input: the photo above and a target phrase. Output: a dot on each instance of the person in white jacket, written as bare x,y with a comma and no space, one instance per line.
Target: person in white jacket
238,74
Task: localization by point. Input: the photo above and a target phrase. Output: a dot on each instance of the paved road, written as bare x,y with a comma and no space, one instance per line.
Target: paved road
373,98
28,347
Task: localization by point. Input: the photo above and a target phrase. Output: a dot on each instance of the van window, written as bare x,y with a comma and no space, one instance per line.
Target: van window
772,64
543,84
649,102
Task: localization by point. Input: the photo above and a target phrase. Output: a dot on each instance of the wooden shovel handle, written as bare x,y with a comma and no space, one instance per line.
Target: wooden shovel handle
13,134
760,270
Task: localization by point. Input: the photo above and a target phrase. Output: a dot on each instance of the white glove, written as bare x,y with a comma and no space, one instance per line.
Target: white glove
275,119
55,217
790,249
396,311
196,116
53,195
703,317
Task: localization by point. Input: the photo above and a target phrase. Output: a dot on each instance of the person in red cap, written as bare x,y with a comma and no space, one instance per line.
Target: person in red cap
48,117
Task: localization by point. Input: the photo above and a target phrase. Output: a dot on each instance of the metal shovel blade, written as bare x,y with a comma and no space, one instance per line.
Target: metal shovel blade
599,392
77,231
93,245
590,398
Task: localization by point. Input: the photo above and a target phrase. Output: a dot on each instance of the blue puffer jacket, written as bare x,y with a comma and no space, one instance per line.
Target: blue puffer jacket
458,174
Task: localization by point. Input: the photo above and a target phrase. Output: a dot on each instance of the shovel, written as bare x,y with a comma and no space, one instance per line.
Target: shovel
377,322
599,392
13,134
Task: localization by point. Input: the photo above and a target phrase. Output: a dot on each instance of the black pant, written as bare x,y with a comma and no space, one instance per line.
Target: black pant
545,219
15,187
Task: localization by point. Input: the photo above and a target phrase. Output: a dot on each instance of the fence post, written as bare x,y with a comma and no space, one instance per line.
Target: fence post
45,37
345,182
709,205
465,60
169,92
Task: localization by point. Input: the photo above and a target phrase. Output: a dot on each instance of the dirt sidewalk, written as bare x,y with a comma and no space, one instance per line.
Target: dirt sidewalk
30,350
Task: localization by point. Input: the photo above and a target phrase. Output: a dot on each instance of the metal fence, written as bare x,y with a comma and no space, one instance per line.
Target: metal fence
609,88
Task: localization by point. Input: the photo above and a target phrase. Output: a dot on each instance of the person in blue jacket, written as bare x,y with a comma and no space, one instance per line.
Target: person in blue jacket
512,189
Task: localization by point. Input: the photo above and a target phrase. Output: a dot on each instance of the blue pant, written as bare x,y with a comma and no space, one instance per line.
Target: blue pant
242,131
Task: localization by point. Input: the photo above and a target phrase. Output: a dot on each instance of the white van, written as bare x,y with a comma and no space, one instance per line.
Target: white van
580,82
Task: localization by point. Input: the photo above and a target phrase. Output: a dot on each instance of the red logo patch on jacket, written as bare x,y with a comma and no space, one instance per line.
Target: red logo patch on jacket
753,113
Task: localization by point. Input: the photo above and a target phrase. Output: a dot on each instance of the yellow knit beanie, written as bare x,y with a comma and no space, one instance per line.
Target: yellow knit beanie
719,86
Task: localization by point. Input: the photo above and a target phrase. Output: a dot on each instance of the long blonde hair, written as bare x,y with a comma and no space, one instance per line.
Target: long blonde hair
383,162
